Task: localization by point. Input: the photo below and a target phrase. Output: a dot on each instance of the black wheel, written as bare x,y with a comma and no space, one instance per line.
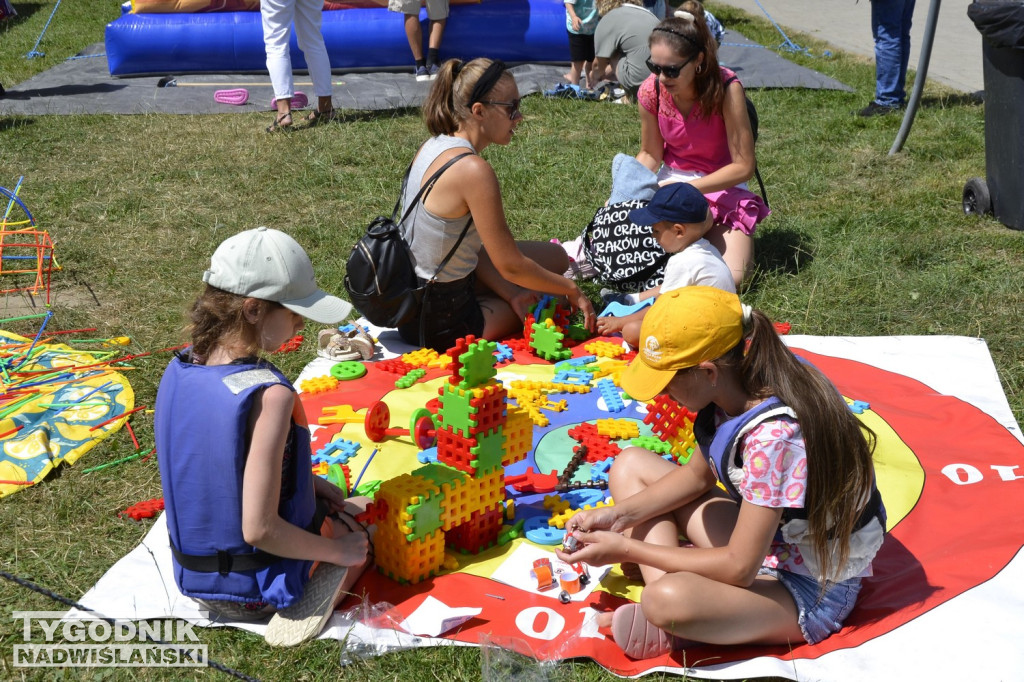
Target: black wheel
976,199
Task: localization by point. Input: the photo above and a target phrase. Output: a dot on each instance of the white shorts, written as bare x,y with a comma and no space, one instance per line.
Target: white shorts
436,9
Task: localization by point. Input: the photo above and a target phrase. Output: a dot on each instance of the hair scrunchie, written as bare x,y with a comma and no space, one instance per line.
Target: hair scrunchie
748,318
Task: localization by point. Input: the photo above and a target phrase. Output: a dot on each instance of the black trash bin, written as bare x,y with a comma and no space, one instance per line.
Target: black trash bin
1001,24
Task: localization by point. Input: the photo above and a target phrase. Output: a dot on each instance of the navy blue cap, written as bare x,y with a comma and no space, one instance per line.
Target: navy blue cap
679,202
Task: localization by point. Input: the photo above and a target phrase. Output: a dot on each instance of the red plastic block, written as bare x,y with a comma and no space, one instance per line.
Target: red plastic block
477,534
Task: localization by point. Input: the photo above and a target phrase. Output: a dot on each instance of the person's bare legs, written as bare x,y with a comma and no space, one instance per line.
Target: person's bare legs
737,250
436,34
414,34
353,507
494,291
704,610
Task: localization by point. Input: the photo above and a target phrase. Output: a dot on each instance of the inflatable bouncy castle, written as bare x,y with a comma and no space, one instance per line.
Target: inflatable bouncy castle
163,37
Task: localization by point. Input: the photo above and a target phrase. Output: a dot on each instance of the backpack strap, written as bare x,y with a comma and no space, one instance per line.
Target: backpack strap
422,195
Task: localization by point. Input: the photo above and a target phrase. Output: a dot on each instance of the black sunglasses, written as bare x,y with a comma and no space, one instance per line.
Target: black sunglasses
669,71
512,107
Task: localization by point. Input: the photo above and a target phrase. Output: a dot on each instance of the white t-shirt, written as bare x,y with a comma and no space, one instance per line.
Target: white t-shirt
699,263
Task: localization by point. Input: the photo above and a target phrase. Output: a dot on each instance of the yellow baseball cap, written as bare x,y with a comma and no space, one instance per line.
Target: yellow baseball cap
683,328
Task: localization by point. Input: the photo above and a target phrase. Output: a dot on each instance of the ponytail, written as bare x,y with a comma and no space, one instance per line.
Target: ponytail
451,98
840,473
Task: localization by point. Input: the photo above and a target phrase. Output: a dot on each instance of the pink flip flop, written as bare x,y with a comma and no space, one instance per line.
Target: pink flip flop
638,638
238,96
299,100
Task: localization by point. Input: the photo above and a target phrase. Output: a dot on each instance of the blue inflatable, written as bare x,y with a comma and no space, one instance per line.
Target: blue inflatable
373,38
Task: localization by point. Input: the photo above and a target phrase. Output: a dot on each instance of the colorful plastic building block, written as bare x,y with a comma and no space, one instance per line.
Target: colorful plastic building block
617,429
411,378
504,353
605,349
146,509
318,385
546,342
610,394
338,451
652,443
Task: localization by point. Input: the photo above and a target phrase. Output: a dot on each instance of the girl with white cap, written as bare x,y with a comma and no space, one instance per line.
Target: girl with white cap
245,515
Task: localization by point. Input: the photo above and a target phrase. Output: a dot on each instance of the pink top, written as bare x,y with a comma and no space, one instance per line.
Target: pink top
700,145
775,475
691,142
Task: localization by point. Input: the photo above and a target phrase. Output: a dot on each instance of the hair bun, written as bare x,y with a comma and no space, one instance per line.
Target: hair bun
683,14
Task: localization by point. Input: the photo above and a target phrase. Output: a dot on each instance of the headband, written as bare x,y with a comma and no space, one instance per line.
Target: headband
685,37
490,77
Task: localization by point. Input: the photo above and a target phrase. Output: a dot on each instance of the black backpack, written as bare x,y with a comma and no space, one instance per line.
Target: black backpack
380,278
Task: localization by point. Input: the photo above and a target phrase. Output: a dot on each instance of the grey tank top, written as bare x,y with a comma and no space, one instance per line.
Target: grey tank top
431,237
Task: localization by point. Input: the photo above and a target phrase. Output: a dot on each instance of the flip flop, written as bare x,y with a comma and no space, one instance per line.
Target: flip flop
299,100
238,96
305,619
638,638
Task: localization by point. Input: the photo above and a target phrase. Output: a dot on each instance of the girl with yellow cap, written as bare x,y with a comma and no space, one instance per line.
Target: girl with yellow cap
774,554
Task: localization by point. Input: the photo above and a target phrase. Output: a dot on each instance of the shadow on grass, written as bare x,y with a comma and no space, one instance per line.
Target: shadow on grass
25,10
779,251
354,116
11,122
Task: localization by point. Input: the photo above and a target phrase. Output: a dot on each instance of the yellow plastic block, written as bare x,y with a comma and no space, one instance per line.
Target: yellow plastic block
340,414
618,428
518,436
604,349
409,561
318,385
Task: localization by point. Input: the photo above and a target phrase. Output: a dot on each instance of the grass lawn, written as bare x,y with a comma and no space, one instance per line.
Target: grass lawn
859,243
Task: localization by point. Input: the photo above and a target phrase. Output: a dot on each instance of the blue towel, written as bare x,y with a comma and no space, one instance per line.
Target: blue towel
631,180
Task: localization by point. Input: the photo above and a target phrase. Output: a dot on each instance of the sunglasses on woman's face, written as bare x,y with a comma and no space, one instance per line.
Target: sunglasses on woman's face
669,71
511,107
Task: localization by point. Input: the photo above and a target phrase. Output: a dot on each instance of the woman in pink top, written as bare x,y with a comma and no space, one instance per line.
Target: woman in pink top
694,128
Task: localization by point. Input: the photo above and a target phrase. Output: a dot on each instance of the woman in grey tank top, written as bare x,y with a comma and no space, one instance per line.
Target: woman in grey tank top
488,284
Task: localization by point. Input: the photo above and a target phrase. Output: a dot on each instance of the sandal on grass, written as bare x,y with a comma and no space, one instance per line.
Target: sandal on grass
638,638
316,117
281,123
304,619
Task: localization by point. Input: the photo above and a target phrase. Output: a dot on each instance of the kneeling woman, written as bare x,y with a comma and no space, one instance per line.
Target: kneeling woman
776,557
489,279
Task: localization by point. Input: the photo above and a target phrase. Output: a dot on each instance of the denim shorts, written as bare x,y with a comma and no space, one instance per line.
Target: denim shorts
820,615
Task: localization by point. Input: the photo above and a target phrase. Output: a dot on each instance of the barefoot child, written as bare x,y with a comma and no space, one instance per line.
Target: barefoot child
778,555
245,515
580,22
679,217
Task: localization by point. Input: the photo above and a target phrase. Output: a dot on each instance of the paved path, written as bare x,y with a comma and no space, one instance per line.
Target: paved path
846,24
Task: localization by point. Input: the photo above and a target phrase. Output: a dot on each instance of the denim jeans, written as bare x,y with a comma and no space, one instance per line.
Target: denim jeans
890,25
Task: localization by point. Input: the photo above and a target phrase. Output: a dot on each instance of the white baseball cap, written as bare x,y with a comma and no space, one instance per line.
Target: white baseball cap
268,264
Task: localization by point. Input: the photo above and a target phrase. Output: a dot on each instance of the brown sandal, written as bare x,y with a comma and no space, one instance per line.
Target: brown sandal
279,124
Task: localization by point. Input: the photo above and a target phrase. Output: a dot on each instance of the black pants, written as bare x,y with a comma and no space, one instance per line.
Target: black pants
449,311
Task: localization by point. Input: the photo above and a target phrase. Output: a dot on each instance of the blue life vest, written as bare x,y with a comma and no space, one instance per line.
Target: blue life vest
721,447
201,425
